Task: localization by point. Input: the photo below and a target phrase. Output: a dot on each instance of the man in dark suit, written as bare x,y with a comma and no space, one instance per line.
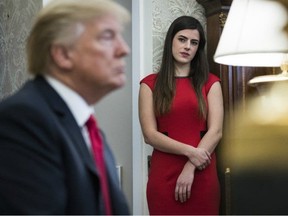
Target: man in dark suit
76,56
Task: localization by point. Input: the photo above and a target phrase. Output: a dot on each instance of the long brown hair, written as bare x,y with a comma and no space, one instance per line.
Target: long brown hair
164,90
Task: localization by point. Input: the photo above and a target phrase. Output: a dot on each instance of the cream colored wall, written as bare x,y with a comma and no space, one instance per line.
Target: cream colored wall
46,2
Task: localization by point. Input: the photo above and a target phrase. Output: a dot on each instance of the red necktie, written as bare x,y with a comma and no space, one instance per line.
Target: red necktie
97,147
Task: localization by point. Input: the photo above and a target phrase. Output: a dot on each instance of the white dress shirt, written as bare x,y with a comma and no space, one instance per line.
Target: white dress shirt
77,105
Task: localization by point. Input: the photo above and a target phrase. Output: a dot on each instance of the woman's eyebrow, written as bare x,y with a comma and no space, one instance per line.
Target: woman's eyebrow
194,40
183,36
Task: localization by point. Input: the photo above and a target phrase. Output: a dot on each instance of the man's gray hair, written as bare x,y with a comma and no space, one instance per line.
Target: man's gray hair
62,22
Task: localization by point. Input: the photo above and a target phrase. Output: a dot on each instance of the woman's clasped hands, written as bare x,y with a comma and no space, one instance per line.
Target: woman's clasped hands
200,158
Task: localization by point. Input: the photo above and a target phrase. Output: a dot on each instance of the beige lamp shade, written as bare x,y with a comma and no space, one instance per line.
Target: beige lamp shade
254,34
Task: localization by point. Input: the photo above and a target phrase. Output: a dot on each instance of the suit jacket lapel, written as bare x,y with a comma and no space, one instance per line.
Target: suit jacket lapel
74,132
66,119
110,164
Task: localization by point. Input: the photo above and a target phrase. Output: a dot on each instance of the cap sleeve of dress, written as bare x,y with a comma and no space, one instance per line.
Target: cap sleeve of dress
149,80
212,78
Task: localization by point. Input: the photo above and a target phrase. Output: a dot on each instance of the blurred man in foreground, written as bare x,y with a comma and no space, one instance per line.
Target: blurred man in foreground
53,160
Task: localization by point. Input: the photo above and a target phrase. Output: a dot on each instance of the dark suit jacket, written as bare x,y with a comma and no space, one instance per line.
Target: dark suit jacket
45,165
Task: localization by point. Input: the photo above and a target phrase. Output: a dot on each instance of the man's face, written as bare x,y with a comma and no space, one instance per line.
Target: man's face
98,58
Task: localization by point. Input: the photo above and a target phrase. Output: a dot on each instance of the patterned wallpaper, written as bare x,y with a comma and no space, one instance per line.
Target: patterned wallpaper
164,12
16,18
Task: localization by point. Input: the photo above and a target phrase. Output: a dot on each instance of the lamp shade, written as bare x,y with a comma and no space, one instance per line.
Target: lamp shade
253,34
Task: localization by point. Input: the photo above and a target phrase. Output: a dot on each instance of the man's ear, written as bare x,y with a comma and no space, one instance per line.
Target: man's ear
60,56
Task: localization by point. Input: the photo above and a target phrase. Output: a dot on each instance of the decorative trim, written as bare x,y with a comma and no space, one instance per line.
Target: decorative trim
222,19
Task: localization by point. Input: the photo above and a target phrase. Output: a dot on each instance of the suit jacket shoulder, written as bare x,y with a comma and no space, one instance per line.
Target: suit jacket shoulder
41,142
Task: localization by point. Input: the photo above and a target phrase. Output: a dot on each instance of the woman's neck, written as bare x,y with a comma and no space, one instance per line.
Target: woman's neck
182,70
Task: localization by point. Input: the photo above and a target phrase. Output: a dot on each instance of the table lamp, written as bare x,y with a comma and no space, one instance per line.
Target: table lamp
254,36
254,146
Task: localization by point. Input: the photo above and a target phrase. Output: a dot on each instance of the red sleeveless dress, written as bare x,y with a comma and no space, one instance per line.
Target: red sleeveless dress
183,124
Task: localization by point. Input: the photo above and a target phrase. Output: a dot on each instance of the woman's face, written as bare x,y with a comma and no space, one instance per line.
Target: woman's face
185,45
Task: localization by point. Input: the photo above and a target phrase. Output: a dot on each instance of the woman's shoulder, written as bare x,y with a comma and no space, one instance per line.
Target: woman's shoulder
149,78
212,78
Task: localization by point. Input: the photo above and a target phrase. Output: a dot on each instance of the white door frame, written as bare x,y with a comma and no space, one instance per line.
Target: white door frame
141,65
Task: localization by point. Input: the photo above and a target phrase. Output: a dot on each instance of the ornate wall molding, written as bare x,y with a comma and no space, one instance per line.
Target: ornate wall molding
222,19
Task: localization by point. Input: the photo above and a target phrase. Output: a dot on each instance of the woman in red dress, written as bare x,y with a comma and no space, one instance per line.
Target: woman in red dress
181,116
